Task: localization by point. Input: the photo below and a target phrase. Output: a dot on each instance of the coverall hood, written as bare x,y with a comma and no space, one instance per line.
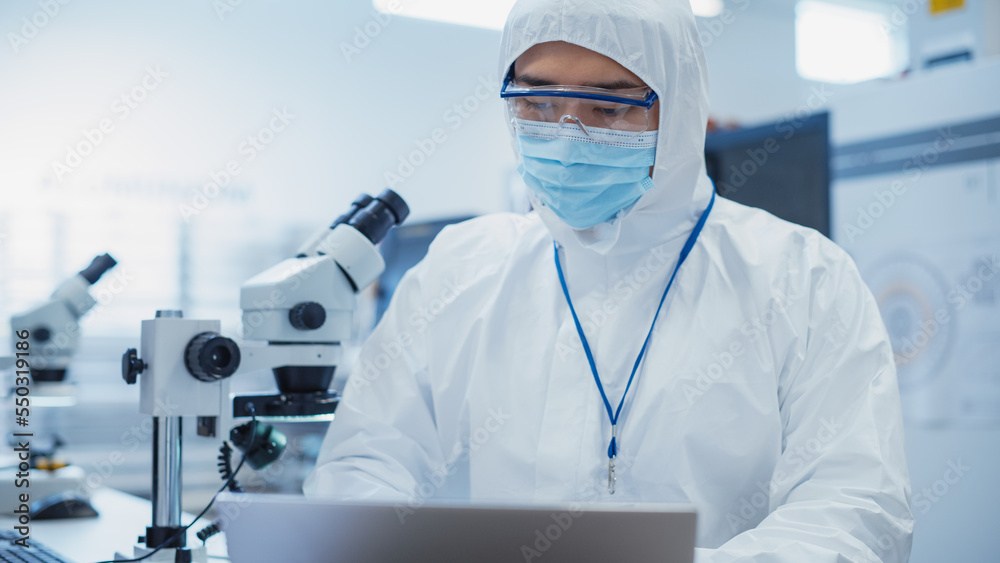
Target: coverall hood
658,41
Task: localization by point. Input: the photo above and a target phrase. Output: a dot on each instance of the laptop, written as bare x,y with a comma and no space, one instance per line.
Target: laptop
293,529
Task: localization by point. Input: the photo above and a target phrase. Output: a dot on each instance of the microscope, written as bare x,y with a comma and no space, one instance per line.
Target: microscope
52,333
295,317
53,325
297,313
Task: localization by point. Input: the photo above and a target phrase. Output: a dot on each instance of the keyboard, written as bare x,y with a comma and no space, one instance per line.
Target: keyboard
37,553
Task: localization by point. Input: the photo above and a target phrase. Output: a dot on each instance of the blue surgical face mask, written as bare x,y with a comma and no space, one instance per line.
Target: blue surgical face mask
585,179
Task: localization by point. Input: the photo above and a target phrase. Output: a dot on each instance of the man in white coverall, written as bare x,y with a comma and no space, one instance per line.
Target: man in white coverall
765,393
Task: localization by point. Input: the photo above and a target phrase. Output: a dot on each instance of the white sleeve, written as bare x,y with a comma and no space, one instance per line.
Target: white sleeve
840,490
383,438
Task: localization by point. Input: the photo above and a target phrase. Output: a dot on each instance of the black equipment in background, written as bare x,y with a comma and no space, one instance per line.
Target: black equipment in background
782,168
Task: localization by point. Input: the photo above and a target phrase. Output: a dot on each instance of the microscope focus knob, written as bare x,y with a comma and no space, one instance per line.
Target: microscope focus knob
210,357
307,316
42,334
132,366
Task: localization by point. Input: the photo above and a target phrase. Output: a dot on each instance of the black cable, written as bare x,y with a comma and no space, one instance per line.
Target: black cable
226,466
226,470
209,531
184,530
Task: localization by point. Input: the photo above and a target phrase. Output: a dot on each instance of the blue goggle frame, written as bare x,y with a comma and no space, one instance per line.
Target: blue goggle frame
647,103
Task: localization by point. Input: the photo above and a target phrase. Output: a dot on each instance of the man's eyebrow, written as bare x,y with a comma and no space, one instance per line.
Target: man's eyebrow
619,84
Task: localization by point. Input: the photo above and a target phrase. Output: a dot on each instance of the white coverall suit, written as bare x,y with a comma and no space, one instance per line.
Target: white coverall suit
767,397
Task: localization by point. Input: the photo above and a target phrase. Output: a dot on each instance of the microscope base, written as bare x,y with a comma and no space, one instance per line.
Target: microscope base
168,555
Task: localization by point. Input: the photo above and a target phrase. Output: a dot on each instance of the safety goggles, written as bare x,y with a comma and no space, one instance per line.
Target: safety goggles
624,110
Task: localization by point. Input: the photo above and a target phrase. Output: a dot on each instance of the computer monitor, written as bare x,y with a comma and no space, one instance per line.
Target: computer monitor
782,168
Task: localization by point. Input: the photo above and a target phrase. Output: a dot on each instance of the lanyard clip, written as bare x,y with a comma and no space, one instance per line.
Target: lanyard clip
611,476
612,454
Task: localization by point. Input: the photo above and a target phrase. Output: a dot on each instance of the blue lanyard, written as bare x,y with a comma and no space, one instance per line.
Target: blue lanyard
613,416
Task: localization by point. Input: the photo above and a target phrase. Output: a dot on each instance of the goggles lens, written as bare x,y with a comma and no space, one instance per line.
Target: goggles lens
580,107
591,113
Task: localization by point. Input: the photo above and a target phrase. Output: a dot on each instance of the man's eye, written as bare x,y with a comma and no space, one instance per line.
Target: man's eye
611,111
537,105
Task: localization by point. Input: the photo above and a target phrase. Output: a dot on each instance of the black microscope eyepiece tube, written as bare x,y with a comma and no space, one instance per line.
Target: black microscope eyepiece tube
382,214
358,204
97,267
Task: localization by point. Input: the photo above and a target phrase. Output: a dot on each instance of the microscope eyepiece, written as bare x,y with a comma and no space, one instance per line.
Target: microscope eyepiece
210,357
97,267
358,204
382,214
